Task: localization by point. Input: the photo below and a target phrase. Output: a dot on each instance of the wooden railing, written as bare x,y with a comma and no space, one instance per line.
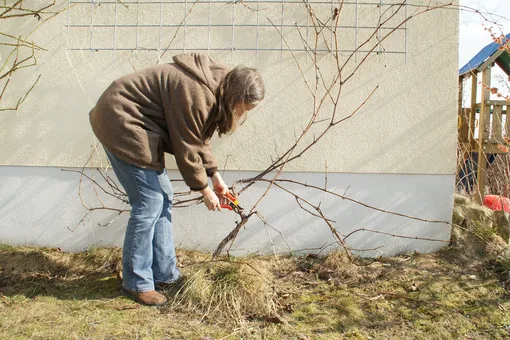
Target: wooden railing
484,135
496,126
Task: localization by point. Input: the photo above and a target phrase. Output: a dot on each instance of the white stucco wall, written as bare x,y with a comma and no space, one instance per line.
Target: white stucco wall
397,152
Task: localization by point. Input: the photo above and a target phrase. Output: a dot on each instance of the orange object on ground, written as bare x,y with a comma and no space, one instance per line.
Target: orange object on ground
496,202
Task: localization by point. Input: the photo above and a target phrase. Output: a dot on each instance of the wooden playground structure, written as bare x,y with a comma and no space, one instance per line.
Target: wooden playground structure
484,126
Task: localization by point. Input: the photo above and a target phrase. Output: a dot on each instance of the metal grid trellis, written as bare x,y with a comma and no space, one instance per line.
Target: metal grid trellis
98,21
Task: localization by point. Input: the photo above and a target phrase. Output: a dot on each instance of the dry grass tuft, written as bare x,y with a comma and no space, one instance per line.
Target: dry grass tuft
338,264
231,289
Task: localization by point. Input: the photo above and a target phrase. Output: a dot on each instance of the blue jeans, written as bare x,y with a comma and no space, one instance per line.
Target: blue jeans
148,255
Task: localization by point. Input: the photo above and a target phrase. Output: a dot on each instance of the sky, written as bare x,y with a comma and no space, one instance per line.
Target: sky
472,37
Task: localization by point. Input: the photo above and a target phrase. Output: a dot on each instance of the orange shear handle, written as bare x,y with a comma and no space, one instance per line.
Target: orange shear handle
227,200
231,198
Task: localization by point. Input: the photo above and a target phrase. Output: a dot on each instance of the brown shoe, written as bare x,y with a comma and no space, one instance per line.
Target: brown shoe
150,298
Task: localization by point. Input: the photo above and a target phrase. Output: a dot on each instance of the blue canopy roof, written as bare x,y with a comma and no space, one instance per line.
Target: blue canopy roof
487,52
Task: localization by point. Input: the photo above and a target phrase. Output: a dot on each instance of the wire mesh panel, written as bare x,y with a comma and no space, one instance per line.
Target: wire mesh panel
238,25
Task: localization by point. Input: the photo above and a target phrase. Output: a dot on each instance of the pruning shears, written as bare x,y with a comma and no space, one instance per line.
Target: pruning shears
231,202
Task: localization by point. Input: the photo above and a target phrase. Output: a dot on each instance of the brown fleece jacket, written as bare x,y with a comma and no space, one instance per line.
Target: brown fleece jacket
162,109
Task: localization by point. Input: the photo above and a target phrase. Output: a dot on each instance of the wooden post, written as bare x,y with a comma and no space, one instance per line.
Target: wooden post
507,122
485,123
482,134
463,116
472,114
459,108
463,128
497,124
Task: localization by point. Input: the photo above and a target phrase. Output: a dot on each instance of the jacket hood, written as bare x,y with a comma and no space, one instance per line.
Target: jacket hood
203,68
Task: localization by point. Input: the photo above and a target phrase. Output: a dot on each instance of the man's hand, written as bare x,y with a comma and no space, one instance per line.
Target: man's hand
211,201
218,184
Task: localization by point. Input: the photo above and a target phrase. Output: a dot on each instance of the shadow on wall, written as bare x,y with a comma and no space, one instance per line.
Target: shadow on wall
41,205
53,129
424,196
432,132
